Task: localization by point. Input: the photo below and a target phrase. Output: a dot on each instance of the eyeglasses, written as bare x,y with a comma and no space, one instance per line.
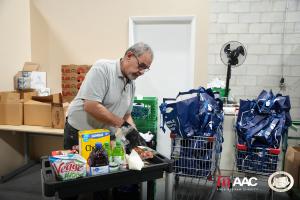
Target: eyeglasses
142,66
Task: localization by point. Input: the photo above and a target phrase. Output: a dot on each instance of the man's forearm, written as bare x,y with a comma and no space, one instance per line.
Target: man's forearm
101,113
128,118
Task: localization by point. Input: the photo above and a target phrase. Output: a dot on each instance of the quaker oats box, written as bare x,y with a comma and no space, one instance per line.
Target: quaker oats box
89,138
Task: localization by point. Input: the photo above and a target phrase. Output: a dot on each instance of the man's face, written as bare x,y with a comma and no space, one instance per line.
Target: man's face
136,66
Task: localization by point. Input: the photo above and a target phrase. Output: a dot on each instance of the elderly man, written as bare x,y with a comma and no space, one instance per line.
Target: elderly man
106,95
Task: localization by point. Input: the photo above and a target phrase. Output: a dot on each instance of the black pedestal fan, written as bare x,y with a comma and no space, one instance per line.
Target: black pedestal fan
233,54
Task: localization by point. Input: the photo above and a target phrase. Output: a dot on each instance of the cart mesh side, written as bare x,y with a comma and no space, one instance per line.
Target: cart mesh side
194,157
195,161
261,161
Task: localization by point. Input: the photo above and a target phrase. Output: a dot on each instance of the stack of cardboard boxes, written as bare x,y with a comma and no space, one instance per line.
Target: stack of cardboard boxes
30,78
71,80
11,108
24,106
47,111
18,108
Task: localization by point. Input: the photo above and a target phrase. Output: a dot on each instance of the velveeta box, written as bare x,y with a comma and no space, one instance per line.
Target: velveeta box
89,138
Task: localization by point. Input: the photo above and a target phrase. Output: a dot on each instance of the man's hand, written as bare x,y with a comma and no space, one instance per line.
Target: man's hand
132,136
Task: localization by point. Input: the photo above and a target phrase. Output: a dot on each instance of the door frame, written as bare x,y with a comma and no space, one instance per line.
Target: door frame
191,20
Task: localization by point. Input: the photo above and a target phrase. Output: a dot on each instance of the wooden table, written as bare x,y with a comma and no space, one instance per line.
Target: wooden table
26,131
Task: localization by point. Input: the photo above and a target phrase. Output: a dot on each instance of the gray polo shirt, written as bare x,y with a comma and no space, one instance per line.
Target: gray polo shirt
105,84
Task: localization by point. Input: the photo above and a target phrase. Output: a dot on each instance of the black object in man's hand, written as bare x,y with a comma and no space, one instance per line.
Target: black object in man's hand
132,136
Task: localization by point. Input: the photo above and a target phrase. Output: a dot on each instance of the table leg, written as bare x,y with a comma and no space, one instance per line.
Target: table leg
28,163
150,190
168,185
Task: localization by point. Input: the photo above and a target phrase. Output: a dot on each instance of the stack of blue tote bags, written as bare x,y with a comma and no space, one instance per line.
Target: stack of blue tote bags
192,114
261,125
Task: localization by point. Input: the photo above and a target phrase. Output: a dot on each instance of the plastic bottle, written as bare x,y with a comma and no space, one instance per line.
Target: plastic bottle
108,151
118,153
98,160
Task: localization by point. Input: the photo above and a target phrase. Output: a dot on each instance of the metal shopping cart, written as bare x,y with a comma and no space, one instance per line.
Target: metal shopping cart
195,163
261,140
259,163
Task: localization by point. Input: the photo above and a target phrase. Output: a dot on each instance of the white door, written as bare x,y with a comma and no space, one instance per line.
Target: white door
172,70
173,42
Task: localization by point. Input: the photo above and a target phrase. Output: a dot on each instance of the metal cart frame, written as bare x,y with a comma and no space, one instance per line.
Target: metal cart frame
258,162
195,163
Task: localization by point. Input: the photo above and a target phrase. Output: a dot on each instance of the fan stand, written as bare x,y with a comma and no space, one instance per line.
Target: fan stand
228,79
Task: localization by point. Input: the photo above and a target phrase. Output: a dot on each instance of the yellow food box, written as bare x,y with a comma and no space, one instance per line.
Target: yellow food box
89,138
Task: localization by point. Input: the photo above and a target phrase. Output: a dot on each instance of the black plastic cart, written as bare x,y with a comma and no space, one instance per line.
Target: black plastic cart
154,169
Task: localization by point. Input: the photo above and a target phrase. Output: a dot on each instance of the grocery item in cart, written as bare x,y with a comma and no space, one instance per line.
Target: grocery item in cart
118,153
144,152
130,137
98,160
63,152
89,138
108,151
68,166
134,161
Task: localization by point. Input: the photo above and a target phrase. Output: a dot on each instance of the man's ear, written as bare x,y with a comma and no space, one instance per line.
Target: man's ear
129,54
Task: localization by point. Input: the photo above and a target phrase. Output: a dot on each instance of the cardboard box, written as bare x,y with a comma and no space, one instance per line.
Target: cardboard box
72,77
37,113
31,66
53,104
88,139
26,80
27,95
59,114
9,97
11,108
30,78
292,164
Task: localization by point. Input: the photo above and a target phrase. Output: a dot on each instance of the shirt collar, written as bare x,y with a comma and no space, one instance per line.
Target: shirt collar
119,72
119,69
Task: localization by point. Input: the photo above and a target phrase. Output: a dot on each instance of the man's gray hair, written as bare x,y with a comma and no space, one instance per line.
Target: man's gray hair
139,49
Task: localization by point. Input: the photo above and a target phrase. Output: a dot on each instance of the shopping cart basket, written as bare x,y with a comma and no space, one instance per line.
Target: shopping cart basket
262,161
256,162
195,162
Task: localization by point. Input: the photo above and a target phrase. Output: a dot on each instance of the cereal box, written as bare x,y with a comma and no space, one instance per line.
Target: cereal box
89,138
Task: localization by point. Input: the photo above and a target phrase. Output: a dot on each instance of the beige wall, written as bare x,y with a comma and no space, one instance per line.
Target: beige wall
73,31
14,51
14,39
59,32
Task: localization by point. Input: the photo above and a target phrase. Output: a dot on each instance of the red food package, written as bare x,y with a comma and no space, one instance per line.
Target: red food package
63,152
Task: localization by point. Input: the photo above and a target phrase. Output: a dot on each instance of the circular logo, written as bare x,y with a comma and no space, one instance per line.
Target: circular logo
281,181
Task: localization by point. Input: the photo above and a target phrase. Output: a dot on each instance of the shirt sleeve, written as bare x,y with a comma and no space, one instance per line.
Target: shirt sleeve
95,85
